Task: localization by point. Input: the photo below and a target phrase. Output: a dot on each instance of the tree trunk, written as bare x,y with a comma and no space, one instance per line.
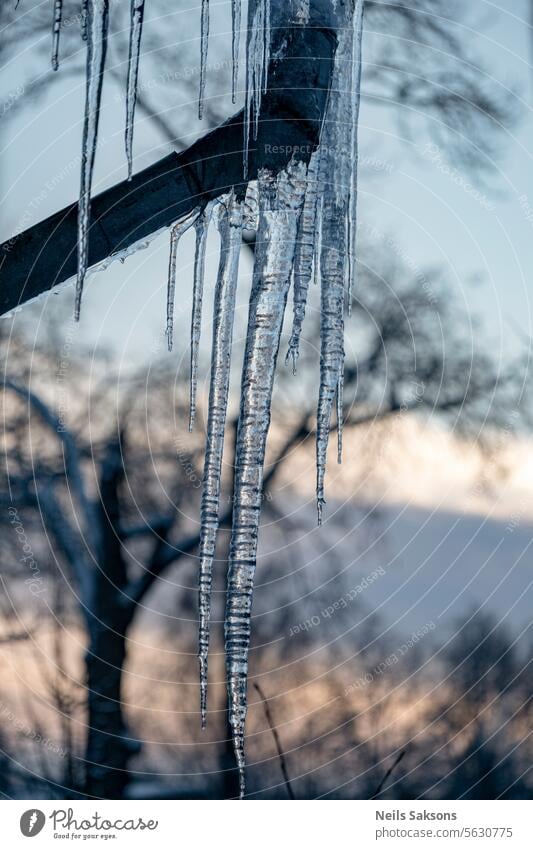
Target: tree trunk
109,745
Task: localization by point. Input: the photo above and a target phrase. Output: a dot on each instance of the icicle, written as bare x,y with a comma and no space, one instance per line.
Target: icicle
58,15
280,203
337,233
98,21
136,26
340,413
175,235
357,38
318,239
235,41
333,272
84,12
202,227
266,48
230,226
303,259
257,60
204,44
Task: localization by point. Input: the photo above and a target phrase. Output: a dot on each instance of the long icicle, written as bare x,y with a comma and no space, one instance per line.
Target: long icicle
266,48
280,204
136,28
340,413
176,233
251,36
201,226
303,259
332,280
357,46
260,59
230,226
337,217
204,45
235,42
56,31
97,29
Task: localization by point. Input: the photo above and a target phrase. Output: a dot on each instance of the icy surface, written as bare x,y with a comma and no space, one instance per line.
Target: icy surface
230,227
202,228
136,25
56,30
97,29
280,201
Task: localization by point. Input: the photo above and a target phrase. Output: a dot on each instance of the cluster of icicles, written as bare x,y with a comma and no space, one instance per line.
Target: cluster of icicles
305,223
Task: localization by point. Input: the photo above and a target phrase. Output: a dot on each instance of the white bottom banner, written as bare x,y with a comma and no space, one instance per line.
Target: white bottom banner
224,825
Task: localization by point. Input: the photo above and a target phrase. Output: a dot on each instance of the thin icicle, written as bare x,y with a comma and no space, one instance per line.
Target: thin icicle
202,228
84,12
230,226
336,175
266,48
260,59
333,272
235,42
204,44
136,27
280,202
303,259
340,414
176,233
58,16
357,41
318,238
98,21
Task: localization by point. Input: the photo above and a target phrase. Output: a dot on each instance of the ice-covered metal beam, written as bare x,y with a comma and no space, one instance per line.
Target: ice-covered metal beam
292,110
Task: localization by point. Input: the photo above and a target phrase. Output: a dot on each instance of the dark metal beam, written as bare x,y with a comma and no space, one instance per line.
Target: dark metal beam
291,114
